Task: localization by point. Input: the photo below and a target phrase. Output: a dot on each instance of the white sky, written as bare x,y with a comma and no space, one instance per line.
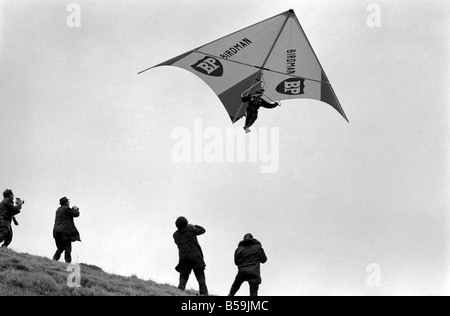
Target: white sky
76,120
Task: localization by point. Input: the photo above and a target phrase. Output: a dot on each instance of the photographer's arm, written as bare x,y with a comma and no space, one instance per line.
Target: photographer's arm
262,255
74,212
15,209
199,230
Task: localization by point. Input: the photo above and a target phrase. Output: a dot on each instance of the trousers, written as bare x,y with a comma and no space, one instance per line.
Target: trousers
185,272
253,280
6,236
63,244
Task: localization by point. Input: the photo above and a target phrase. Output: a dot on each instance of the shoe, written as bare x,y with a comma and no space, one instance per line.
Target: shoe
247,130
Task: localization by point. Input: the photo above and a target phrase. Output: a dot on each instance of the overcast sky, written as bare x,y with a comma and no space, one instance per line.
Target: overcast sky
77,121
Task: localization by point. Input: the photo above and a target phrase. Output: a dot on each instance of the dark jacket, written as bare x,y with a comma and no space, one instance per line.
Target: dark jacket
64,225
249,256
256,101
7,211
189,249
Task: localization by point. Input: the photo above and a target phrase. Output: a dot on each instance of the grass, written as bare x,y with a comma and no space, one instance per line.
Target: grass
27,275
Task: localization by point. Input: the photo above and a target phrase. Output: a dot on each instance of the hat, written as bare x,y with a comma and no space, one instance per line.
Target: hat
181,222
248,237
8,193
63,200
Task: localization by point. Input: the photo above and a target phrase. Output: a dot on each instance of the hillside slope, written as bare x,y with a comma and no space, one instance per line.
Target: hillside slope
27,275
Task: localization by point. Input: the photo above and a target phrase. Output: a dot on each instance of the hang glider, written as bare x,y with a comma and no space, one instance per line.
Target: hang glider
274,54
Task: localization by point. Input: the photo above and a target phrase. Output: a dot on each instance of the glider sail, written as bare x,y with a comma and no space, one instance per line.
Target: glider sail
274,54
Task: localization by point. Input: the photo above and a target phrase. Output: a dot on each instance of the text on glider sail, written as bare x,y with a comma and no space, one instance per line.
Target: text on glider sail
236,48
291,58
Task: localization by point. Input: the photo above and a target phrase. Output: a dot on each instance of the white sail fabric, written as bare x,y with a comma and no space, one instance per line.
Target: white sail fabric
274,53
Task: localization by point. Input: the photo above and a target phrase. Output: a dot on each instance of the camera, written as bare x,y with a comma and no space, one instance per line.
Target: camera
19,201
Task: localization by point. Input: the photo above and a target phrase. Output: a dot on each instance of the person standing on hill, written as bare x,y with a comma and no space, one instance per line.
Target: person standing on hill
64,230
7,212
248,257
190,253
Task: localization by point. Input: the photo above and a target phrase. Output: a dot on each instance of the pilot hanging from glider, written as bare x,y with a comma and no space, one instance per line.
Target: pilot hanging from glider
255,101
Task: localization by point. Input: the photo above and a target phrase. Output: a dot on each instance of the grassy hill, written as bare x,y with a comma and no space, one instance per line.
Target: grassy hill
27,275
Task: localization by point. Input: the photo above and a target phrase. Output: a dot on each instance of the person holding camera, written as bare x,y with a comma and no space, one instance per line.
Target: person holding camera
64,230
248,257
190,253
7,212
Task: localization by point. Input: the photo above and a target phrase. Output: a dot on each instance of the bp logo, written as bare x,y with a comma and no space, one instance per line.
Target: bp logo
293,86
209,66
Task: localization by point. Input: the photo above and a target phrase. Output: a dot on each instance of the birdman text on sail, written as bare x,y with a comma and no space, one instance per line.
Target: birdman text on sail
236,48
291,59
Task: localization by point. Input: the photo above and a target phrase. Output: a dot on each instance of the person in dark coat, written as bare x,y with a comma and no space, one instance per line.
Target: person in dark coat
65,231
7,212
190,253
255,101
248,257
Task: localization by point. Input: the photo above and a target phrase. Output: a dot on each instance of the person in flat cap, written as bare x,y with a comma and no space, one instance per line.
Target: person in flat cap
248,257
7,212
64,230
